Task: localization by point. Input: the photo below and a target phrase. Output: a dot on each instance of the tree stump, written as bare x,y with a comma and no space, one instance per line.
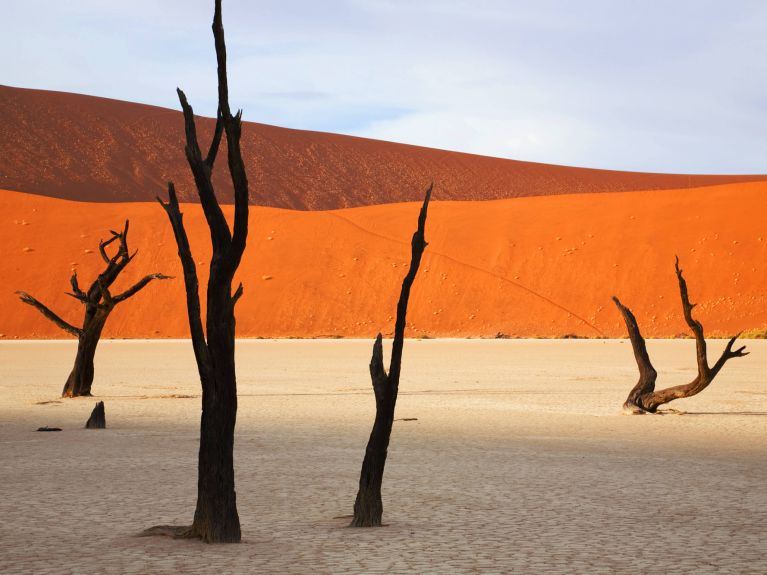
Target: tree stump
97,420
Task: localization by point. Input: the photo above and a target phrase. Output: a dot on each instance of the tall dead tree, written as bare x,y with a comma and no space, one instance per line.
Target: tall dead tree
643,397
99,303
368,507
215,517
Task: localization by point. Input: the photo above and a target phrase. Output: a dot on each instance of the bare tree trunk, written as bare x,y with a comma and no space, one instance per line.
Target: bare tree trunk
99,303
643,398
80,378
215,518
368,506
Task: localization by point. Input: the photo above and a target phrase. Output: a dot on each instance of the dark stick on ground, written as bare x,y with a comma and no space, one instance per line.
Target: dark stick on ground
368,506
215,517
98,419
99,303
643,397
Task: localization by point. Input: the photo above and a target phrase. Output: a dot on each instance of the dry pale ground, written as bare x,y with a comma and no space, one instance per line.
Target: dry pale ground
519,461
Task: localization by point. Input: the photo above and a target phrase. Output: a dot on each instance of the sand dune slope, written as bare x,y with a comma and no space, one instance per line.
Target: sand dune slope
543,266
95,149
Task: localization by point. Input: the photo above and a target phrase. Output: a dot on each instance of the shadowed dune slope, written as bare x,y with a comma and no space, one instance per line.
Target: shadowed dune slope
540,266
95,149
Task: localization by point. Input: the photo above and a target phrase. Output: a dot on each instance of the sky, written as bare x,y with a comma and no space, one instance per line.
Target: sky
663,86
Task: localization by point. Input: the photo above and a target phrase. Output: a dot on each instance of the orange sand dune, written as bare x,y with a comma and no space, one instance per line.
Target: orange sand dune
95,149
540,266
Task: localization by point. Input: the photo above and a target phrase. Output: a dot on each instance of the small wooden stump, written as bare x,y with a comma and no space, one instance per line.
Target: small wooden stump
97,420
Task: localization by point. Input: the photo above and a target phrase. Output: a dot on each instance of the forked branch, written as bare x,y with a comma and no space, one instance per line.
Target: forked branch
643,398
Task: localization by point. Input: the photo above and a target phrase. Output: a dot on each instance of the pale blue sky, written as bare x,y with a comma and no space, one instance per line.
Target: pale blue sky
676,86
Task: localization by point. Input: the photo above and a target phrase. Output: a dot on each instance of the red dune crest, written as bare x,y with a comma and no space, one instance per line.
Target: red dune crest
85,148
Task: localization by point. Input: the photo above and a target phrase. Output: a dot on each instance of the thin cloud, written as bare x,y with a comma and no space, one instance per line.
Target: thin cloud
652,86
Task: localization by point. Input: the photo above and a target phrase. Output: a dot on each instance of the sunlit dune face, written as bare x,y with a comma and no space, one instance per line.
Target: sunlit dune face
527,267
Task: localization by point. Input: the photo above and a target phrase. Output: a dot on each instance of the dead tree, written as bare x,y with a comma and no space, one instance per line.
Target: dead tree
215,517
368,507
99,303
643,397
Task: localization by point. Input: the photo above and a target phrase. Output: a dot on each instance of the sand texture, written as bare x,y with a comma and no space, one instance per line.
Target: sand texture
97,149
519,461
529,267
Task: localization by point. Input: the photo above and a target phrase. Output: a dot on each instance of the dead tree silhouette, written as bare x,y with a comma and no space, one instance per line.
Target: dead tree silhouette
99,303
643,397
368,507
215,517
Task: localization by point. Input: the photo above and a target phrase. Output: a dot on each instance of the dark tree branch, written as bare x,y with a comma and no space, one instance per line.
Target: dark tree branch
418,244
643,397
728,354
237,295
214,144
103,245
77,293
233,129
116,264
82,300
647,373
191,283
219,229
695,325
377,371
220,43
139,286
28,299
